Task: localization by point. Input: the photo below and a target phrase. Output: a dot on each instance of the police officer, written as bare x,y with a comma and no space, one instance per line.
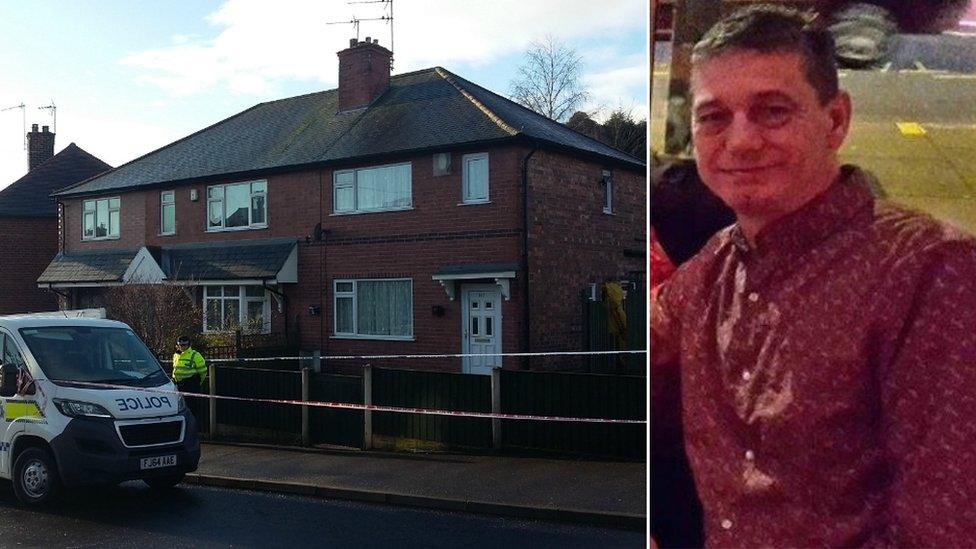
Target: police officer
189,368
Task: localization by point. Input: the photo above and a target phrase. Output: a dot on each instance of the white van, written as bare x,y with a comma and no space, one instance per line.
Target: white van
83,401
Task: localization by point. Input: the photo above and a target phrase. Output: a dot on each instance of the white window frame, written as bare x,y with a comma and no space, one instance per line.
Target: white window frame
223,206
355,190
243,299
465,179
607,192
165,201
94,213
354,294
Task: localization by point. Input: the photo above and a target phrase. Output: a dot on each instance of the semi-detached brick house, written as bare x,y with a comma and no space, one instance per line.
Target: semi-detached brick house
29,220
413,214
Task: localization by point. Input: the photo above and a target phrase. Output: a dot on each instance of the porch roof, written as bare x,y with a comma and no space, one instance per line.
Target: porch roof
268,259
100,268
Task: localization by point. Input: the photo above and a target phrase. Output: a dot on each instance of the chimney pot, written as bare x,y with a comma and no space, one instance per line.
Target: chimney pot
45,129
33,127
352,42
367,40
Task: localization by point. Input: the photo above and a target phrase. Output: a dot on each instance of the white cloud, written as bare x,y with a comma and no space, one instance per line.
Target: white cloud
260,44
618,88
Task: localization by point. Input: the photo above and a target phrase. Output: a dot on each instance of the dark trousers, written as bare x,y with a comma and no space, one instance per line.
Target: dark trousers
198,406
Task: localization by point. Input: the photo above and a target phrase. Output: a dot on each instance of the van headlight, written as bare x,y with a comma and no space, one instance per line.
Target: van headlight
77,408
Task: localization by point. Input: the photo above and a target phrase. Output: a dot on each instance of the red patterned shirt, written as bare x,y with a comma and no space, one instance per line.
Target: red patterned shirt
828,377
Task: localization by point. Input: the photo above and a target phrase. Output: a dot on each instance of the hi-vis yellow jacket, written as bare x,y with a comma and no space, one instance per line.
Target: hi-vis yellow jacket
187,364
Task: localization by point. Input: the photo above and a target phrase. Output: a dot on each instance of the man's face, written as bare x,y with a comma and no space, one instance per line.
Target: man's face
764,143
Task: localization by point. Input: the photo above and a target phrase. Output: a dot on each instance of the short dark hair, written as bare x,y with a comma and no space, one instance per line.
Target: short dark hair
770,28
183,340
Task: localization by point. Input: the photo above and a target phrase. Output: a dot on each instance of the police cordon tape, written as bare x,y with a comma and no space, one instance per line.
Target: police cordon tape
458,355
365,407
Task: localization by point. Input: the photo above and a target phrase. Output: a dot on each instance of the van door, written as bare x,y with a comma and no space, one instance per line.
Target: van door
18,411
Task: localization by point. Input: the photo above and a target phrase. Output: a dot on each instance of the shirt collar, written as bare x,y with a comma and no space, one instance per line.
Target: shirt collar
815,221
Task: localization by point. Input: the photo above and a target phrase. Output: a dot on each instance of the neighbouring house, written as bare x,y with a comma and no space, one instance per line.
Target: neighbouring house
29,224
410,214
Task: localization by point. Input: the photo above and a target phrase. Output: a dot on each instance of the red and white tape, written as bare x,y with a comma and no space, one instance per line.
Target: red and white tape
458,355
369,407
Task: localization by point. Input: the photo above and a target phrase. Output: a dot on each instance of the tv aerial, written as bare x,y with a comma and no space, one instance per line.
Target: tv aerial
387,16
54,114
23,112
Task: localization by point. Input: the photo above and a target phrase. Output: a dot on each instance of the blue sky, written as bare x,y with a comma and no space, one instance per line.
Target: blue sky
131,76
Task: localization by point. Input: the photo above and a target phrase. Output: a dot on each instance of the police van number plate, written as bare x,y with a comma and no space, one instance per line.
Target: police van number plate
157,461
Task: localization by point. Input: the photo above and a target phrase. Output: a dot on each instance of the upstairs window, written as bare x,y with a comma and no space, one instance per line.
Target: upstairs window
237,206
101,218
375,189
474,178
607,191
167,212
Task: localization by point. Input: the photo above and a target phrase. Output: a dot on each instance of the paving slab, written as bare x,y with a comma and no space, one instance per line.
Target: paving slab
585,491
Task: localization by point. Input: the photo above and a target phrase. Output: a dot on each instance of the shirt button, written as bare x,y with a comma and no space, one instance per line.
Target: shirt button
726,524
746,375
753,297
750,455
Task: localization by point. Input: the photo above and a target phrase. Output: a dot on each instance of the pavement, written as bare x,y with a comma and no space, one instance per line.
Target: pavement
599,493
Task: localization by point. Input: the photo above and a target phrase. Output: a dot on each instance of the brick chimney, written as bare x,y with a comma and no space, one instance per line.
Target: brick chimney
364,73
40,146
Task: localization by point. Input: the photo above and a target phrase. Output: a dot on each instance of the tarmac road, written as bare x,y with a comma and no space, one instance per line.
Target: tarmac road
131,515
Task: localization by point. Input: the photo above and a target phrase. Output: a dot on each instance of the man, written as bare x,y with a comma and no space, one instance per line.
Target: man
826,342
189,368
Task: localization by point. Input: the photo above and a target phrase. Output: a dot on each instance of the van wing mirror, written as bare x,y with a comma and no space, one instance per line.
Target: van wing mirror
8,380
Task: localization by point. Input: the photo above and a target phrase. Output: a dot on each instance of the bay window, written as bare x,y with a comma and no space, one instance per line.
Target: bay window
227,308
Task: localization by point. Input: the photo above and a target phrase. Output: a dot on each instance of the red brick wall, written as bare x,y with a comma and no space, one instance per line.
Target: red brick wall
573,243
27,245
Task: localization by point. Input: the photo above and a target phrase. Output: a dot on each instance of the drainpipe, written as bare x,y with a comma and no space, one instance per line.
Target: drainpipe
526,332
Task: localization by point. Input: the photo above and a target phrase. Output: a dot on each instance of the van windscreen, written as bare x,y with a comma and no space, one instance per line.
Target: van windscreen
114,356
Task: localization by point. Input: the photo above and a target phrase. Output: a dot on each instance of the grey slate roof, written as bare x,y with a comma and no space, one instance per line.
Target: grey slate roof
426,109
93,266
30,196
475,268
236,259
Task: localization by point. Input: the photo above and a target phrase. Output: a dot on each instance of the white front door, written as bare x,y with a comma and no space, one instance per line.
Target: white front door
481,328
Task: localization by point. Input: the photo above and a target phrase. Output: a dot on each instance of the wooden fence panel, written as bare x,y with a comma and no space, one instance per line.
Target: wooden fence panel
574,395
242,382
336,426
434,390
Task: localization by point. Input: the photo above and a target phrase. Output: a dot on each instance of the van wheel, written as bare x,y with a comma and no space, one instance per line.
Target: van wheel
164,482
35,477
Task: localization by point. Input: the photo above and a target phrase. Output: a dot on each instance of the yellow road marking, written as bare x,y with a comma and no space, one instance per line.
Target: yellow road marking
910,129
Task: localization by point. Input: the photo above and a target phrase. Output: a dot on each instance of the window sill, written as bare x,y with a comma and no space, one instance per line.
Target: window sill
474,203
375,338
337,214
166,234
609,212
96,239
235,229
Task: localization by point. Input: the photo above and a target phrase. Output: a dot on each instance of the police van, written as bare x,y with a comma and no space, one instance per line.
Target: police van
83,401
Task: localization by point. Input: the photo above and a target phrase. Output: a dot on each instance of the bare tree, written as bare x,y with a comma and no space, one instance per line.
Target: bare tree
157,313
549,82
